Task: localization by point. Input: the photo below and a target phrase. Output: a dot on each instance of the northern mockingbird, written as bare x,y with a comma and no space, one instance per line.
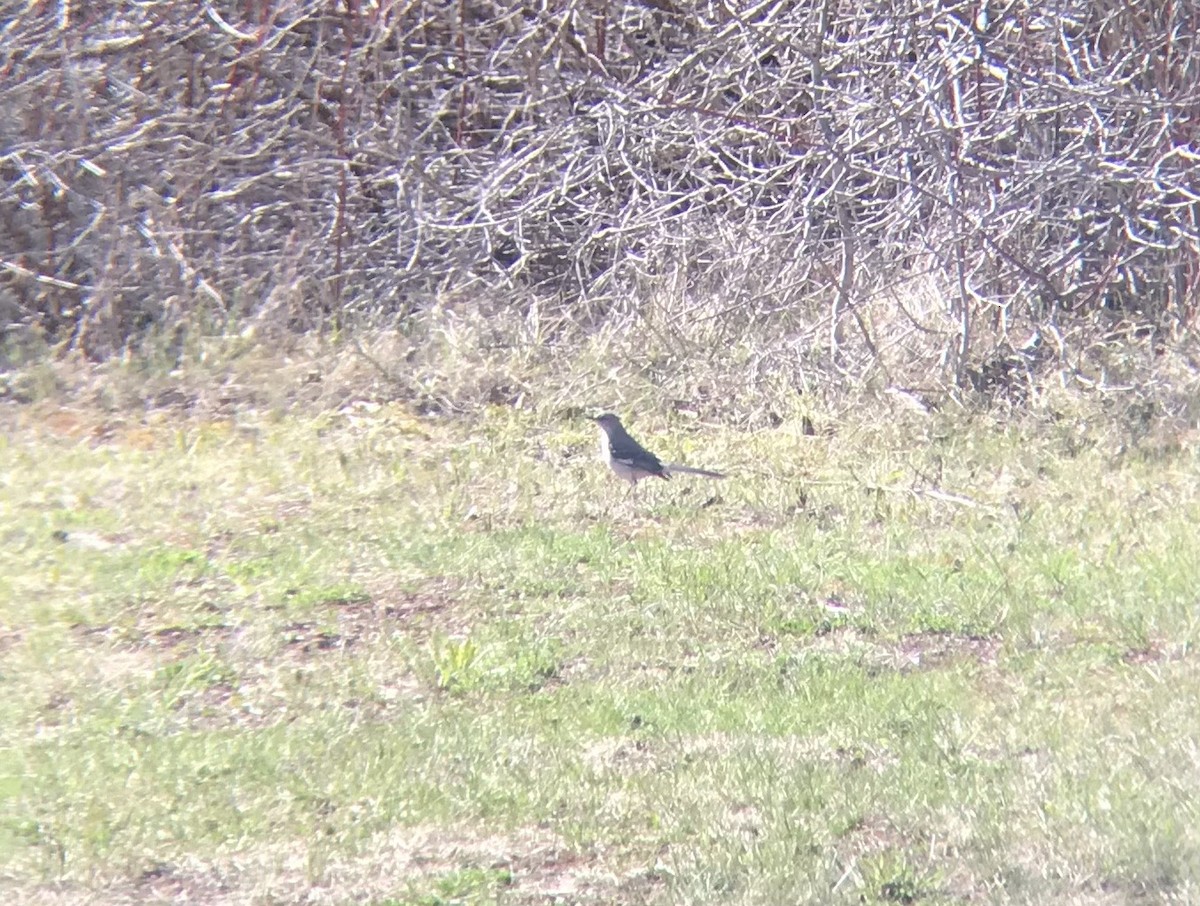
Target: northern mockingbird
633,462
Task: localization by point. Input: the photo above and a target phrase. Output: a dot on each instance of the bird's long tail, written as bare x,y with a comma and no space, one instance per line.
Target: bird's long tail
673,467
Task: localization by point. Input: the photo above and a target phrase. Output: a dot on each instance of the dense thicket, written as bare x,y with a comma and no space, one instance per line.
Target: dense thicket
827,162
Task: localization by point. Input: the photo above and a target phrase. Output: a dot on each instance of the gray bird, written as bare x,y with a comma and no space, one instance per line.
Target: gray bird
633,462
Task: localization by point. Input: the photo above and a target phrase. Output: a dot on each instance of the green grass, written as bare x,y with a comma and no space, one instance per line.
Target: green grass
377,658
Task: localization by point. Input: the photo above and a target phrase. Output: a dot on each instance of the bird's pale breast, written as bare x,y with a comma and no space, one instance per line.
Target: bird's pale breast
605,447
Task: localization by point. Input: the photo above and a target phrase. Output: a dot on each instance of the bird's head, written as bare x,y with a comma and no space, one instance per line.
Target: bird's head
607,421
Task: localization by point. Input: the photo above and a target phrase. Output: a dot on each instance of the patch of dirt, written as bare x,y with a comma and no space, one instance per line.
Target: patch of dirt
398,864
66,422
365,618
9,638
793,748
116,652
1153,653
432,607
215,706
927,650
164,881
308,639
340,625
289,510
120,652
568,877
89,540
408,606
252,654
871,834
622,756
94,426
171,637
916,651
742,821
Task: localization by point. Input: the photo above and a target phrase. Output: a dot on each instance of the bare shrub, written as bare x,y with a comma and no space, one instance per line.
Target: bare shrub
888,186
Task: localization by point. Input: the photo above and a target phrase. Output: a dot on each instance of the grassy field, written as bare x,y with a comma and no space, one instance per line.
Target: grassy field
362,656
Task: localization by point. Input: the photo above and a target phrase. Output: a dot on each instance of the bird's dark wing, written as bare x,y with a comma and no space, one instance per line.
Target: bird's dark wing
627,450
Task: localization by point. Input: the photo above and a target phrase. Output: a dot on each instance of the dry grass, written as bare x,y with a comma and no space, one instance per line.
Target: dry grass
304,642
